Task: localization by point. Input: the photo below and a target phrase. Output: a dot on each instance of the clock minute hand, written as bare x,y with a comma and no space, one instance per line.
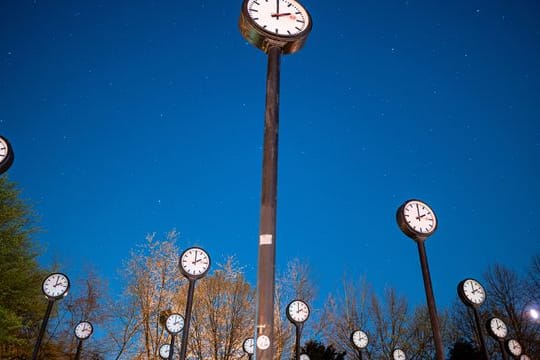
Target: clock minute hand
278,15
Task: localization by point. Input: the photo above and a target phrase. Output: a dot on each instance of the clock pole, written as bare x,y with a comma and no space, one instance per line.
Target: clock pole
42,329
480,333
78,353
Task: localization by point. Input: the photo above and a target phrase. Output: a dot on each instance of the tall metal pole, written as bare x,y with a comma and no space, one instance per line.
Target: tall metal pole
360,354
78,353
480,334
267,226
297,343
171,348
187,320
439,350
42,329
503,350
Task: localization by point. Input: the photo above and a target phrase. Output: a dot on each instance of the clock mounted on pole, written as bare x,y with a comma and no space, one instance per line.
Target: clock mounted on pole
276,27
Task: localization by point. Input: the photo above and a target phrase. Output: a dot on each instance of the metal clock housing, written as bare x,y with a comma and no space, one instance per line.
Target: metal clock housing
194,263
297,311
164,351
398,354
359,339
416,219
249,346
513,347
496,328
282,23
83,330
471,292
55,286
174,323
6,155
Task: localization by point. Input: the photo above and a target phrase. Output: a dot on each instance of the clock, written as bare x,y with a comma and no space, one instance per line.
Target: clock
471,292
359,339
6,155
55,286
496,328
83,330
416,219
194,263
524,357
297,311
164,351
174,323
304,356
249,346
282,23
263,342
398,354
513,347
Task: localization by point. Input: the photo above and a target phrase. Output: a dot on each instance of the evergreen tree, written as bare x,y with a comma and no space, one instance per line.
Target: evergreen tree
318,351
21,303
464,350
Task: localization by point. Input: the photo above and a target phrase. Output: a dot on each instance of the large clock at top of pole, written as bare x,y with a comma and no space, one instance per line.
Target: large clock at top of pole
282,23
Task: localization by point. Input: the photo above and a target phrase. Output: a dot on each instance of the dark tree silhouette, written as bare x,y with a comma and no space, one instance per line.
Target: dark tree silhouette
464,350
318,351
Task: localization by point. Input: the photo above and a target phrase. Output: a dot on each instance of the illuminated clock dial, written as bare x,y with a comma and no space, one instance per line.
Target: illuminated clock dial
471,292
359,339
524,357
164,351
304,356
174,323
263,342
398,354
83,330
279,17
194,262
513,347
6,155
297,311
55,286
416,219
497,328
249,346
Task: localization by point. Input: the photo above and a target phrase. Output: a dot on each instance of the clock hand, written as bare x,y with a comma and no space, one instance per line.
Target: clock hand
278,15
277,8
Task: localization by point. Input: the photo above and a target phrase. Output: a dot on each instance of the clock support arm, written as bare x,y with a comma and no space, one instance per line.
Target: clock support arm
42,329
480,334
187,320
78,353
503,350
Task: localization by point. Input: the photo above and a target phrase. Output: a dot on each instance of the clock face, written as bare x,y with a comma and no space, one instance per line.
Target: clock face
83,330
513,347
279,17
164,351
398,354
419,218
472,292
249,346
263,342
174,323
359,339
4,149
6,155
55,286
297,311
194,262
524,357
497,328
304,356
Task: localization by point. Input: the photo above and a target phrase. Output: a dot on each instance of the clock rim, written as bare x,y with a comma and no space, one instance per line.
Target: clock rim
244,346
398,349
464,298
6,163
61,296
160,347
191,276
174,332
490,330
507,346
407,229
84,322
305,354
289,316
352,338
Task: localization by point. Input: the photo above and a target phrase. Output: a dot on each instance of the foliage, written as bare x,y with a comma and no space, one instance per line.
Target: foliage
21,302
464,350
318,351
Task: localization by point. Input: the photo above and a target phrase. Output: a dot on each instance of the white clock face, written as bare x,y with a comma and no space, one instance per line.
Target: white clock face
195,262
360,339
4,150
83,330
249,346
474,292
524,357
514,347
419,217
398,354
164,351
298,311
263,342
174,323
498,328
279,17
56,285
304,357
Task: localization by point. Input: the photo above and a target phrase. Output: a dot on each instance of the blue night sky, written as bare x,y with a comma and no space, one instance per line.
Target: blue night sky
143,116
